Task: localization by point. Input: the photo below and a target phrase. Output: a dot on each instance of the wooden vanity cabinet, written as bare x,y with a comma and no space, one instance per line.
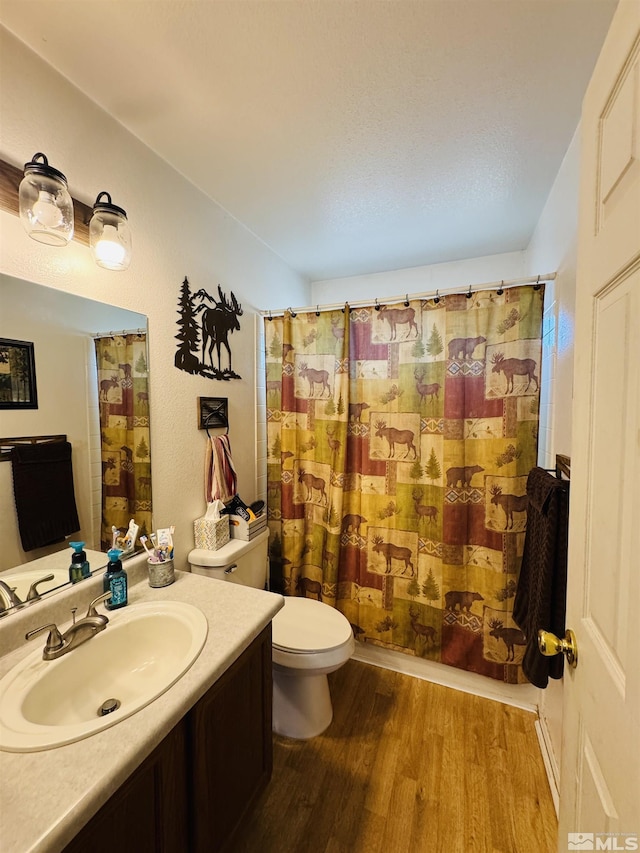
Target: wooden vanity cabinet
192,792
231,747
148,812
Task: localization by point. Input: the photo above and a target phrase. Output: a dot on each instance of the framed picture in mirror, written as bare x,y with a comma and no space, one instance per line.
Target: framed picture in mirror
17,375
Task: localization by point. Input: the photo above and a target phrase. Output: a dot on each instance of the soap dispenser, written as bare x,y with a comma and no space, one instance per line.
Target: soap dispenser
115,581
79,568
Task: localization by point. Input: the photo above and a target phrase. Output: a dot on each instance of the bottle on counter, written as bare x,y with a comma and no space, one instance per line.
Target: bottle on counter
79,568
115,581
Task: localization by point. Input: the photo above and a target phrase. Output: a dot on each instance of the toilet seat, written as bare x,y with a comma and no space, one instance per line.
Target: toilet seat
308,627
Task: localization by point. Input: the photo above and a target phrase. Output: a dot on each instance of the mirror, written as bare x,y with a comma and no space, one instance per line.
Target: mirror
62,327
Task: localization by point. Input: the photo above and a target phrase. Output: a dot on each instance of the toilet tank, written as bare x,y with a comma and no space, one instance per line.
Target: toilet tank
237,561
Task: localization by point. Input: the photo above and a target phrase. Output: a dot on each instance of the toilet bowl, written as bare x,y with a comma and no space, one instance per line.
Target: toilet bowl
309,639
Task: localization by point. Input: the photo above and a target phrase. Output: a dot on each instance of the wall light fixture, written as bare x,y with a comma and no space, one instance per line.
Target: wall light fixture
46,208
109,235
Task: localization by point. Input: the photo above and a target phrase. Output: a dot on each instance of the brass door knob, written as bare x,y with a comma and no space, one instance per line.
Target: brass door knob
551,645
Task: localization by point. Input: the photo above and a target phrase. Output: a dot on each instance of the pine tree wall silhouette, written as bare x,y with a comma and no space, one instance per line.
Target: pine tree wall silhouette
188,334
204,319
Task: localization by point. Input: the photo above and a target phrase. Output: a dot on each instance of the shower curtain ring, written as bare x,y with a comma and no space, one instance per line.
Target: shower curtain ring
536,286
317,310
377,307
270,318
469,293
436,298
406,300
500,290
291,311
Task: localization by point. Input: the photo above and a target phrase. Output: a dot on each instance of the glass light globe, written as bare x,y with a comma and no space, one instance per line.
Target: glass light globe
46,208
109,235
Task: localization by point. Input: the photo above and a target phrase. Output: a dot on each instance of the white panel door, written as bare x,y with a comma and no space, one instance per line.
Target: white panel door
600,780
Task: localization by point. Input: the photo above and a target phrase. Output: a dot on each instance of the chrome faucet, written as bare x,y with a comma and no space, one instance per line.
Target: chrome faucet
76,634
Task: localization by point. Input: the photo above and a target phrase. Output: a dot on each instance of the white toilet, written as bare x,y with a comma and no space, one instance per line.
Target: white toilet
310,639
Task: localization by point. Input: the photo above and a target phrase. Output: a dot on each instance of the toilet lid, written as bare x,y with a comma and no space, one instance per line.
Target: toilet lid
304,625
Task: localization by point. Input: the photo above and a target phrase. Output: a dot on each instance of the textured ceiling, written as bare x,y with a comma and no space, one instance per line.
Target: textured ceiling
350,136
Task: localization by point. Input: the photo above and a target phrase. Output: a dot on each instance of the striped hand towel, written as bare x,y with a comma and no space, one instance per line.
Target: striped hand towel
220,478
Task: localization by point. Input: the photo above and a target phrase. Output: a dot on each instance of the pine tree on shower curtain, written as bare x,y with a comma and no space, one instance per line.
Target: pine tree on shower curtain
399,441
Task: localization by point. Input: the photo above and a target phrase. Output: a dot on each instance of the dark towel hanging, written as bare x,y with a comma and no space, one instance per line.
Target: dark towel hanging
43,492
541,593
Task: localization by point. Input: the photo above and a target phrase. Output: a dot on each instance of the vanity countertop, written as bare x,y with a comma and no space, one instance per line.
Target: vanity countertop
46,797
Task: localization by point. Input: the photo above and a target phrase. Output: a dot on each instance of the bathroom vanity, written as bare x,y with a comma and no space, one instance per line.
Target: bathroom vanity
177,775
192,791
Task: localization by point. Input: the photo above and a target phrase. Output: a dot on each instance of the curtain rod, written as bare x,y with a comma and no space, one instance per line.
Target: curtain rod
504,285
98,335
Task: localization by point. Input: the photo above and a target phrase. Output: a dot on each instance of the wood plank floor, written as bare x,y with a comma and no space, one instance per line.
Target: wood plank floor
406,765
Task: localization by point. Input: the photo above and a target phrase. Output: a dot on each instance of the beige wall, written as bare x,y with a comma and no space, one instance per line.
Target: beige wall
554,245
177,232
448,276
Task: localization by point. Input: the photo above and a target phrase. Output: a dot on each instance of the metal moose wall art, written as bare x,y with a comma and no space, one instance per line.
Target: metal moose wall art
204,325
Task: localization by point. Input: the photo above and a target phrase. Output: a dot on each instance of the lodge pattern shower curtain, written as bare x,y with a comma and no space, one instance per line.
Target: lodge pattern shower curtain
399,442
123,398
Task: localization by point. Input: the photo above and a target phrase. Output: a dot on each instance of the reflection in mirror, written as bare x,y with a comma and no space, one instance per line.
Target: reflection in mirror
123,401
62,328
26,584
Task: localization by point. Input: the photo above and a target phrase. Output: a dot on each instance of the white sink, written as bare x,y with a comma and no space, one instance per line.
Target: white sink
144,650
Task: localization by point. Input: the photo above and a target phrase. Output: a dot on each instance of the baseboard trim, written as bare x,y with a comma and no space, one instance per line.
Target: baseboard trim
522,696
549,759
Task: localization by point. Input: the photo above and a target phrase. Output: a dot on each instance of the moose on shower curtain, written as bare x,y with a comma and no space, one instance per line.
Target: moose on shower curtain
399,440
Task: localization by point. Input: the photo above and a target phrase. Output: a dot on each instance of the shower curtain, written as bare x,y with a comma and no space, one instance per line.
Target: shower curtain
123,398
399,439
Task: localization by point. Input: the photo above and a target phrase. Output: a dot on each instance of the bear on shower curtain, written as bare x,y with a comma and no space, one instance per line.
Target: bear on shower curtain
399,440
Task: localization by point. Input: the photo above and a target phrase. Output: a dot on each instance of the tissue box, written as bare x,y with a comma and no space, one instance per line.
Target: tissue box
241,529
210,534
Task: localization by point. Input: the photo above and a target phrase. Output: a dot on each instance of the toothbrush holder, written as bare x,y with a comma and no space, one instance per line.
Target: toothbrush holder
161,574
